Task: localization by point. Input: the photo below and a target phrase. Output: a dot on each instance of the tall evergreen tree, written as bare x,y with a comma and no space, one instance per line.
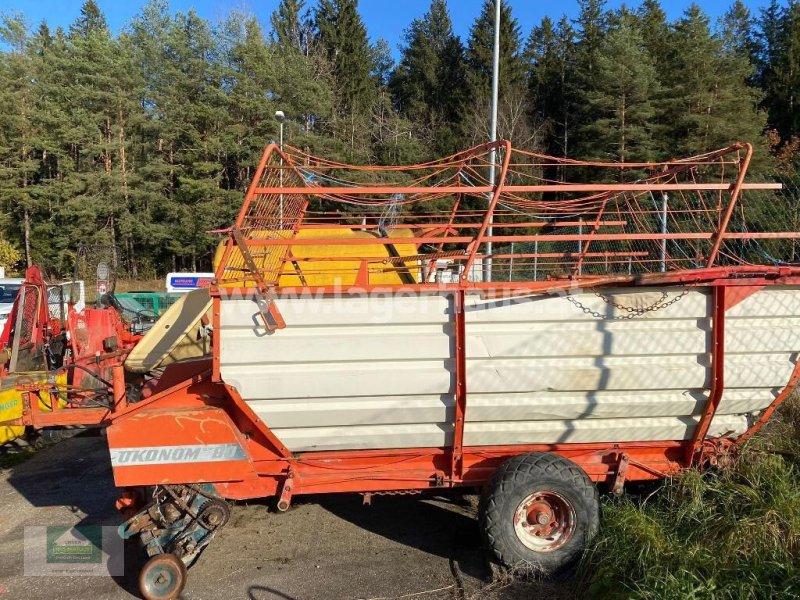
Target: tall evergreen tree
625,83
153,199
736,29
250,75
779,67
514,115
343,37
592,26
428,83
195,110
711,104
479,53
291,26
16,130
303,78
549,53
101,104
656,34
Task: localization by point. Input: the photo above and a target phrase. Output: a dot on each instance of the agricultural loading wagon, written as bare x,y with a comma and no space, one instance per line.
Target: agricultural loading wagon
385,329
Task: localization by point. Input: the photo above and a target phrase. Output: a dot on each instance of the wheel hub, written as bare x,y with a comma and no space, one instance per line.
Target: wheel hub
162,578
214,514
544,521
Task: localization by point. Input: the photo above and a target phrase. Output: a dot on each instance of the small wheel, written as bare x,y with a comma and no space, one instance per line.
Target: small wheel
539,511
214,514
162,577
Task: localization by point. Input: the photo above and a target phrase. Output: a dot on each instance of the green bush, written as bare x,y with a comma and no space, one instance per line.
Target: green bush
728,533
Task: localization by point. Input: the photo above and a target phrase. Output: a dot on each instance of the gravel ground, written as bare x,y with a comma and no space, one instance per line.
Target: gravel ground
324,547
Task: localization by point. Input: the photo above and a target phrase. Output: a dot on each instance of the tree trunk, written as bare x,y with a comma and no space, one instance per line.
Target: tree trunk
27,235
27,216
132,259
114,257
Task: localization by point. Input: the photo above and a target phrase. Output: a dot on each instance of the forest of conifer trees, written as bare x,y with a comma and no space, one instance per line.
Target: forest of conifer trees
146,139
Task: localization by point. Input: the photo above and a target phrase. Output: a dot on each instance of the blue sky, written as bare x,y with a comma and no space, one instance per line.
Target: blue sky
384,18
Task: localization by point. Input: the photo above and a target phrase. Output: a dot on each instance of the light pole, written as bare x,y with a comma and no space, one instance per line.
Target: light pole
487,267
280,117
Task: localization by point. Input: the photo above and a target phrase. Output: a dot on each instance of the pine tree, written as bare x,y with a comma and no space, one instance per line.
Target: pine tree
16,130
194,105
736,28
291,26
153,201
428,84
779,68
768,43
514,115
343,37
625,81
250,76
302,74
53,241
711,103
479,53
99,109
592,27
657,35
549,54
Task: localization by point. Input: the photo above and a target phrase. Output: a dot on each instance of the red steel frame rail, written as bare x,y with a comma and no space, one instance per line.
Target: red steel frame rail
717,386
377,190
457,459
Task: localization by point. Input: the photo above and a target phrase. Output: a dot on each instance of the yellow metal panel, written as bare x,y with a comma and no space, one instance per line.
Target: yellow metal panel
11,401
327,265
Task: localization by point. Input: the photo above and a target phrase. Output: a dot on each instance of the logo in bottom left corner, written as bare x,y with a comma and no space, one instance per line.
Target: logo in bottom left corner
79,544
73,550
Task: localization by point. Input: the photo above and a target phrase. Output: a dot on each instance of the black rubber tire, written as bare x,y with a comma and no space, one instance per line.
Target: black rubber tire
514,481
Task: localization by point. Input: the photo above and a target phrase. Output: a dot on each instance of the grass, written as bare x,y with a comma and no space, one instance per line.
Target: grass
139,285
728,533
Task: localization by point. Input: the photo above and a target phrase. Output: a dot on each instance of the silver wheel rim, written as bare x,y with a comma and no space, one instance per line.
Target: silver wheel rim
544,521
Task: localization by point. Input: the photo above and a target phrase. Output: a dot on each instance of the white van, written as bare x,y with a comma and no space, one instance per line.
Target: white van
9,287
60,296
186,282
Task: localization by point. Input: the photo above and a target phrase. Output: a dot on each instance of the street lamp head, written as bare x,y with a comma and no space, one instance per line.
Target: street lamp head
279,116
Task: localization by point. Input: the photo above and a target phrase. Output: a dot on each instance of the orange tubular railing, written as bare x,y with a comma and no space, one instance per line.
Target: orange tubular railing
551,218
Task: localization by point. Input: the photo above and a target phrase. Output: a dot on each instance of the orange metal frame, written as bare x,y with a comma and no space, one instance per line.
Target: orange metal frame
167,418
193,393
271,464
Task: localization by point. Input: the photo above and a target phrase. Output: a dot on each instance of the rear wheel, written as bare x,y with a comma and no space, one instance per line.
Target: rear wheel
539,511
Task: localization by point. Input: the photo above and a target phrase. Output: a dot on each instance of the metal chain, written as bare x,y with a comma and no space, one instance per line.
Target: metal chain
632,312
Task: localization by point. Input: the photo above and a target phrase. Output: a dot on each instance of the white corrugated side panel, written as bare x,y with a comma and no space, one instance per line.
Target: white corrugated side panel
595,431
350,372
353,373
548,345
535,359
762,341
